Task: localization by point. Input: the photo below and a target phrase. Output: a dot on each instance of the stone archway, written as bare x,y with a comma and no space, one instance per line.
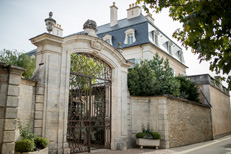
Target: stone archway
89,112
55,53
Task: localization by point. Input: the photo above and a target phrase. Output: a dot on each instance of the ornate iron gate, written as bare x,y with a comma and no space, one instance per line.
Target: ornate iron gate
89,115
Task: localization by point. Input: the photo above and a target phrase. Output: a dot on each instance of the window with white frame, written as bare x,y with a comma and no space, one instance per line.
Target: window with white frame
168,46
154,35
173,72
129,36
179,55
108,39
135,61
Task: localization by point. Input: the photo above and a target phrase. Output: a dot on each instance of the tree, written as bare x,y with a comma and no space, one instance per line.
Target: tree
19,59
152,78
206,29
188,89
142,80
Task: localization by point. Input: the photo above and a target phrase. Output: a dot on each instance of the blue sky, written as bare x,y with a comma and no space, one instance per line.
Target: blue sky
21,20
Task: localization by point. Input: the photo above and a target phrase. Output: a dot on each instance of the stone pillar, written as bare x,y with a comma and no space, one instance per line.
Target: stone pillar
163,122
39,109
9,107
52,92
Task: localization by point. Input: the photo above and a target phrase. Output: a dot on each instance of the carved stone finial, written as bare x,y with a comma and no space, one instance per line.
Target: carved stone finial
50,22
90,24
50,14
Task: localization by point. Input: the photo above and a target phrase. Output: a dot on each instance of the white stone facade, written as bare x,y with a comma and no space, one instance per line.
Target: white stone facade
55,53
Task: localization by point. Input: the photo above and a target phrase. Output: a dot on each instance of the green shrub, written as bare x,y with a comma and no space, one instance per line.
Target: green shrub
188,89
141,80
41,142
147,131
19,59
140,135
151,78
24,145
26,132
156,135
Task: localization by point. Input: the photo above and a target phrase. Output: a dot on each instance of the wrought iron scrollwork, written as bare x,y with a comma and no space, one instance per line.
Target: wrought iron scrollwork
89,116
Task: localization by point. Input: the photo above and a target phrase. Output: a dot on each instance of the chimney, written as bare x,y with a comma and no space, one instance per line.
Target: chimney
149,17
113,18
133,11
57,30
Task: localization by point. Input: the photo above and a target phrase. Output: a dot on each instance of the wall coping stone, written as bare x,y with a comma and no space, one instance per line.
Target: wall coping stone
169,97
27,82
13,69
206,79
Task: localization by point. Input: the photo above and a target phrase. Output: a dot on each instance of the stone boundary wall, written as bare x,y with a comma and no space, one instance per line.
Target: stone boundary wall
26,103
10,80
221,112
188,122
179,121
17,102
219,98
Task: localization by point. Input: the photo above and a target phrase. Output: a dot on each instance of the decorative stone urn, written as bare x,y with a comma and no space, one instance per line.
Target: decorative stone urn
43,151
147,142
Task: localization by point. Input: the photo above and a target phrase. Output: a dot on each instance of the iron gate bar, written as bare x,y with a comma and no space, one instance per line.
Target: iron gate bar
90,115
88,76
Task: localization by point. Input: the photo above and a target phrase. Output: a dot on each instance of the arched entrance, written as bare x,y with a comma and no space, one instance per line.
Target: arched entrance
56,87
89,113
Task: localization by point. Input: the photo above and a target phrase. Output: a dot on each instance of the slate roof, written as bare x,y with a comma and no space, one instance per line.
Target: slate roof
123,23
139,24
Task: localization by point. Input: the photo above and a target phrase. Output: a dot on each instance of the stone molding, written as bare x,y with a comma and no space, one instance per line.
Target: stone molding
96,44
204,79
51,107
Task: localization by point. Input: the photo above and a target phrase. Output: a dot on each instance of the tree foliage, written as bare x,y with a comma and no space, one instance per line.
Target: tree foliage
152,78
206,28
188,89
142,80
19,59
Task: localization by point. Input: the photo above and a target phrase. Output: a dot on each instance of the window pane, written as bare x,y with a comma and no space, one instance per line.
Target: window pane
108,41
156,39
152,34
133,61
130,38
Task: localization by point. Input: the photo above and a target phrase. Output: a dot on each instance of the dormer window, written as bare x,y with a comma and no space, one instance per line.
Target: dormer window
168,46
154,35
108,39
129,36
180,55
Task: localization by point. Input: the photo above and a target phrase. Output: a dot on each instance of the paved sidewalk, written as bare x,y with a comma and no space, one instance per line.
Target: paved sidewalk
135,151
179,150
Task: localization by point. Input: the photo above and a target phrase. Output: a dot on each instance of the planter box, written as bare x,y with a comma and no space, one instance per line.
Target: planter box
43,151
147,143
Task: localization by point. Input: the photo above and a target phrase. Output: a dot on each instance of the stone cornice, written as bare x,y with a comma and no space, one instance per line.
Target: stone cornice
46,38
204,79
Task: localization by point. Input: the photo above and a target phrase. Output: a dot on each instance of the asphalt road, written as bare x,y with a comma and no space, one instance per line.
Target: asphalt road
219,146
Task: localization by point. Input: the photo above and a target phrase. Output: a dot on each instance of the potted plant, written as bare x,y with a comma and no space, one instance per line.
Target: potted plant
30,144
148,138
